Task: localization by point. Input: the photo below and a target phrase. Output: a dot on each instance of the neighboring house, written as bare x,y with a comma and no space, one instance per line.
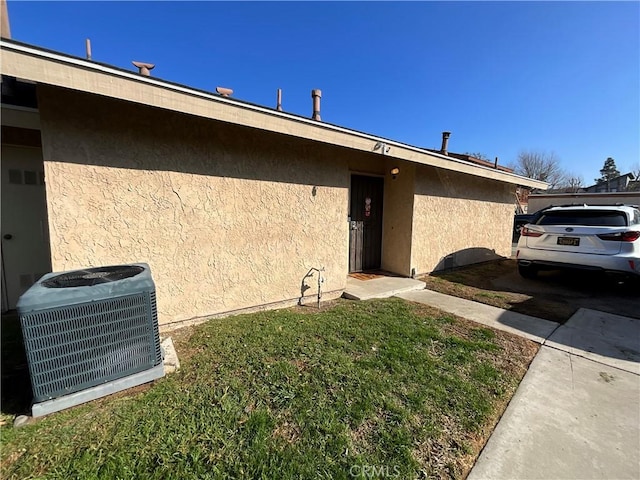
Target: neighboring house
522,200
538,201
623,183
617,190
230,203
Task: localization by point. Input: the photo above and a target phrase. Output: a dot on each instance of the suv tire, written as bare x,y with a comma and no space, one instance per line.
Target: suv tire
528,271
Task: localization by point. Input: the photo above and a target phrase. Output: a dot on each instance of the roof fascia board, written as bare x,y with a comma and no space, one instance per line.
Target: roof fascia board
35,64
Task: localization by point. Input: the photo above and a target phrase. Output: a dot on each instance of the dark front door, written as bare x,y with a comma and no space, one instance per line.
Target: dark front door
365,239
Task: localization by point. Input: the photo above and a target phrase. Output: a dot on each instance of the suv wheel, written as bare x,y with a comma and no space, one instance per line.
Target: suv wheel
528,271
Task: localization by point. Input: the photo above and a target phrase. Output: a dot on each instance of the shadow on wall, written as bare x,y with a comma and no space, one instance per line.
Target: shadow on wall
434,182
467,257
16,383
313,281
84,129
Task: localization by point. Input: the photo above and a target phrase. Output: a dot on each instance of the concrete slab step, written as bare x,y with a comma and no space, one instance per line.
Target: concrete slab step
383,287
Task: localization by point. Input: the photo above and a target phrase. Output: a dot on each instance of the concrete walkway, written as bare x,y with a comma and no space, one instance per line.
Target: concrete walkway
576,414
381,287
526,326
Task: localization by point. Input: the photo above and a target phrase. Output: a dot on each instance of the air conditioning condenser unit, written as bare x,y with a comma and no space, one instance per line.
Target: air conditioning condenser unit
89,333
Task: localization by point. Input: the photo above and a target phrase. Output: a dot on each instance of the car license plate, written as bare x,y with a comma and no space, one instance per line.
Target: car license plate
571,241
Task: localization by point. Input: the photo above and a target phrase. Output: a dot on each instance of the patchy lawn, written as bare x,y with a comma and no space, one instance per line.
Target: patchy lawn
474,282
295,393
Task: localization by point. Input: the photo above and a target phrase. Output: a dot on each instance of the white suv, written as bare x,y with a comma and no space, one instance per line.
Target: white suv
604,238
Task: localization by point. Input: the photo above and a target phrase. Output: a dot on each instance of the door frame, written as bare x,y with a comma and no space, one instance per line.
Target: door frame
364,174
28,118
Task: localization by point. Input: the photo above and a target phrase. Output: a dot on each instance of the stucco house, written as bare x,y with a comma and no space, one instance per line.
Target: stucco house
230,203
621,183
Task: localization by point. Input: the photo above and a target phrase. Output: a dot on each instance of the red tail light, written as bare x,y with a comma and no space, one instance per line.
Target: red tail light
529,233
620,237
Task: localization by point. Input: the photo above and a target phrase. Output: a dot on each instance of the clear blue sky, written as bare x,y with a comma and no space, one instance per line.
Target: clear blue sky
501,76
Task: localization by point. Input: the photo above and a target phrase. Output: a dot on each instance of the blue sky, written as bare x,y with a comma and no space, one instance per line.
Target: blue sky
501,76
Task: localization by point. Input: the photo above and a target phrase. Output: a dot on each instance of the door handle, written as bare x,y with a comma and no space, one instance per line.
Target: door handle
7,236
354,225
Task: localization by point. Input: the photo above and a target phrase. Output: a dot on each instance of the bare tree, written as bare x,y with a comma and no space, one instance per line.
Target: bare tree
574,183
541,166
478,155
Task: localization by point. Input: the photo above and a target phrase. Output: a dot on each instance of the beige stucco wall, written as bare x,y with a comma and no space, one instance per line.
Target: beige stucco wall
397,218
459,219
231,217
227,217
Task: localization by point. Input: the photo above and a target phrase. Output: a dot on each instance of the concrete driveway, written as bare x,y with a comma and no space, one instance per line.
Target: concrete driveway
570,418
576,414
579,289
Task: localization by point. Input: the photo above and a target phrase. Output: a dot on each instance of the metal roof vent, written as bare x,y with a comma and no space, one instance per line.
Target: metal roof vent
316,95
445,143
89,333
225,92
144,69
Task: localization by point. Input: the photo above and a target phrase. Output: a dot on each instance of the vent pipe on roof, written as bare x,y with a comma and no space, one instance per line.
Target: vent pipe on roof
279,100
88,46
445,143
495,165
5,28
316,95
144,68
225,92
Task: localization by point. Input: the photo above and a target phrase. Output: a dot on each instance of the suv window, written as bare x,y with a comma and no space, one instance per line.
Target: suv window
636,217
590,218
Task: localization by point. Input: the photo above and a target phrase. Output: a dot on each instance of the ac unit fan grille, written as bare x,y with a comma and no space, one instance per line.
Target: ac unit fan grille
76,347
93,276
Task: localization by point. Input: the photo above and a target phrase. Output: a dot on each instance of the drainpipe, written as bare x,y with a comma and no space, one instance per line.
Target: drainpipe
445,142
316,95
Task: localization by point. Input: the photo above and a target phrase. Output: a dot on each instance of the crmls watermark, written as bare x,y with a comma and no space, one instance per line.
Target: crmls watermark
374,471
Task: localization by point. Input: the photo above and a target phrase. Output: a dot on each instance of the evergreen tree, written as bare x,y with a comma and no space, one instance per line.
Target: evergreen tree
608,172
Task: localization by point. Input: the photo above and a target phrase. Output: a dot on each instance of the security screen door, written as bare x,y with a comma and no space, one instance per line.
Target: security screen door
365,223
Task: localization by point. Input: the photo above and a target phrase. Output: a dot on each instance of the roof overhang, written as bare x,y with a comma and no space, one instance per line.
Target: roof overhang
53,68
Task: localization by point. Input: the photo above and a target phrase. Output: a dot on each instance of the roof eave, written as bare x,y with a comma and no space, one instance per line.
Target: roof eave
29,62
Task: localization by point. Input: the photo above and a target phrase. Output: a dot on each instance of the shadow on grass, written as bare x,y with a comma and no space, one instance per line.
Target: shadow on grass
16,393
553,295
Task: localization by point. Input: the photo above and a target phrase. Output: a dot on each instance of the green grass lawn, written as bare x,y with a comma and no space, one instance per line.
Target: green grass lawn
298,393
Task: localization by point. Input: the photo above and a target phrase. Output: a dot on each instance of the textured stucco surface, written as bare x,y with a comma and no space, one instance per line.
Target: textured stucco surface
227,217
231,217
459,219
397,218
